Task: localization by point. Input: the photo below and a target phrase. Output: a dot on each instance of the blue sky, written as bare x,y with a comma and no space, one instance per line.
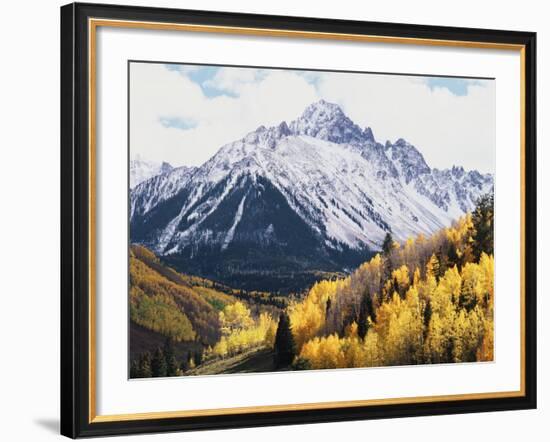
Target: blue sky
178,122
457,86
205,77
201,75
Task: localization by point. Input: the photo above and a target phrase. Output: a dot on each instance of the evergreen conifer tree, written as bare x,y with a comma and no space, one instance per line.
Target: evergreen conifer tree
387,247
158,364
427,317
144,367
482,219
170,358
387,244
366,309
285,347
198,357
328,305
443,263
370,308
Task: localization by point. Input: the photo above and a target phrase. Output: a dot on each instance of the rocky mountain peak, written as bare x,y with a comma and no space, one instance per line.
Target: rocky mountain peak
322,110
328,122
368,135
165,167
457,171
141,169
407,159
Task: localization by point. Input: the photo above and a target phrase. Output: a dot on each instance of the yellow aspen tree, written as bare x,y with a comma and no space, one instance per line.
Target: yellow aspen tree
487,267
441,331
324,352
399,327
401,275
416,277
486,350
373,356
468,332
432,267
472,285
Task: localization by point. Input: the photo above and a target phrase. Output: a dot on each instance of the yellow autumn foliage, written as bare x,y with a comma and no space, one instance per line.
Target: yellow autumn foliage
422,311
399,327
401,276
240,331
308,317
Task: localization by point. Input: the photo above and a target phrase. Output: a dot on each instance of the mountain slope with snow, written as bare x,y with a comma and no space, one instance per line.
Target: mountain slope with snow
141,170
319,193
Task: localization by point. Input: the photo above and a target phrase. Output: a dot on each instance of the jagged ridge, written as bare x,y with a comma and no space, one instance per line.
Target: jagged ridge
342,188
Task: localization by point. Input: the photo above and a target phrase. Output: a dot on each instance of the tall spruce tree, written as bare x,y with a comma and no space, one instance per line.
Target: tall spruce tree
170,358
285,347
482,218
387,247
427,317
144,365
387,244
443,263
452,256
158,364
198,357
370,308
363,320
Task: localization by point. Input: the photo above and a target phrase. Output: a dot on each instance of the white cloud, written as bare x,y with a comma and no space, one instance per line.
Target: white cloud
448,129
233,79
184,68
158,93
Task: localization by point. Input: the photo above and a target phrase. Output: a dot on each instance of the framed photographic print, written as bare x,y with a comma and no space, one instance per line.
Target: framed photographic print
278,220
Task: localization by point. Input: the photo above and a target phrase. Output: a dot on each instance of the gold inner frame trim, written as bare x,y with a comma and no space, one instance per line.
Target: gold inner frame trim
93,24
299,407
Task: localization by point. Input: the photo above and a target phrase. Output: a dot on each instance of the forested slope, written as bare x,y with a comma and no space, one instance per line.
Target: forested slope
426,300
177,306
429,300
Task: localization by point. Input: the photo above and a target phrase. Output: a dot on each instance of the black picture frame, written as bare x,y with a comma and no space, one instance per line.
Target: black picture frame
75,221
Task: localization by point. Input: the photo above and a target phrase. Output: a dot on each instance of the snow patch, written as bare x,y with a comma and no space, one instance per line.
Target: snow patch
231,231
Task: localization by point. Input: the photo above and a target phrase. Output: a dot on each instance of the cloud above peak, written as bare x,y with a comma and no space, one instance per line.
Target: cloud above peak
184,113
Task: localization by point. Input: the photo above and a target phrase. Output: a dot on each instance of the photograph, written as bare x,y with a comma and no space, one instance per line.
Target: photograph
285,219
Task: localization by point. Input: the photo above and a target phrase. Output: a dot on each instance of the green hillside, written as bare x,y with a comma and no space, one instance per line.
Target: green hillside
176,306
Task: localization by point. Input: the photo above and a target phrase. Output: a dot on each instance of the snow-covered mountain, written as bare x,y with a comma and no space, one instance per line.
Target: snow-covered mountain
319,193
142,170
